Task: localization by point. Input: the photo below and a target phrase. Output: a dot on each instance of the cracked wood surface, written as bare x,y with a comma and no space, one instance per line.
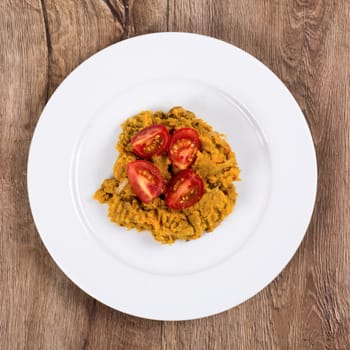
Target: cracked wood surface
306,43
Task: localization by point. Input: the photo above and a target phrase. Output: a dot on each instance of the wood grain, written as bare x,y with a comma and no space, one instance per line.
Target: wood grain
306,43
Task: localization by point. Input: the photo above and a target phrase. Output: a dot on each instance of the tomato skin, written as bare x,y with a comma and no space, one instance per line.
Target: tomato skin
151,141
183,148
145,180
184,190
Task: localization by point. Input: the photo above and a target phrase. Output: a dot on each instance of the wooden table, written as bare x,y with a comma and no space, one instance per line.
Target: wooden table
306,43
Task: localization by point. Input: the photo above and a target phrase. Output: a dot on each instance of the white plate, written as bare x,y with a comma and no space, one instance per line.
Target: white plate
72,151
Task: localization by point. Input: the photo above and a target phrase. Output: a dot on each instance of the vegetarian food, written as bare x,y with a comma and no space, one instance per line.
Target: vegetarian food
183,147
173,176
184,190
145,180
151,141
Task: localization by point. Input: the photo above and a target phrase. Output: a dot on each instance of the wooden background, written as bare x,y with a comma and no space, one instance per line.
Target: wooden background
306,43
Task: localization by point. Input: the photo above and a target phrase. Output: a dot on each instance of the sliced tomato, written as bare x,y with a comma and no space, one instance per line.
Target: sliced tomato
145,180
184,189
151,141
183,148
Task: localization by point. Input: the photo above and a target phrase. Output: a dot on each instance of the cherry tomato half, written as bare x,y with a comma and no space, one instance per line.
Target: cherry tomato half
150,141
183,147
184,189
145,180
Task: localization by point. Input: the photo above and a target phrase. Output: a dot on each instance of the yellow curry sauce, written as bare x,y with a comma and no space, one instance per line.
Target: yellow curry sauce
215,163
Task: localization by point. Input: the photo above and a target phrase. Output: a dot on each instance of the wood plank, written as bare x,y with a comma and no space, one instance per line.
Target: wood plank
44,42
147,16
76,30
306,306
23,73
